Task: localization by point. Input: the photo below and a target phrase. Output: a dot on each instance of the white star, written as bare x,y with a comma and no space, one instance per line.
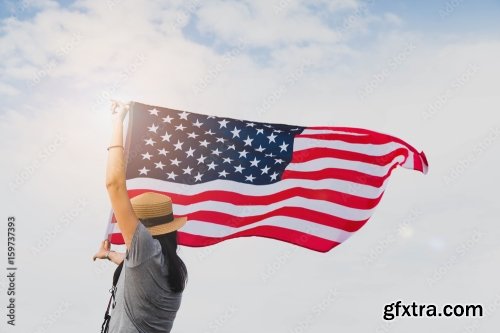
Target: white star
208,117
283,146
223,123
166,137
248,141
250,124
220,140
260,149
216,152
150,142
260,131
243,153
153,111
274,175
192,135
254,162
272,137
171,175
180,127
201,159
227,160
209,132
175,161
265,170
153,128
197,123
187,170
277,131
212,165
270,155
250,178
178,145
223,173
167,119
146,156
159,165
162,152
183,115
198,177
269,126
204,143
190,152
231,147
236,132
278,161
143,171
239,169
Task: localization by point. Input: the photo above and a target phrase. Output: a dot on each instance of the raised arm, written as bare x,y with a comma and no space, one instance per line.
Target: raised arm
115,176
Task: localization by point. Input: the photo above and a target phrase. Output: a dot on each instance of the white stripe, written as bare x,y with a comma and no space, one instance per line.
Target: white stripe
327,131
342,186
330,162
363,148
207,229
408,164
326,207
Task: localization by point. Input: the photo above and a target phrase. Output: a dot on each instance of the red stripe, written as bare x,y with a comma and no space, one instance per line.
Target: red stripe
362,139
116,238
295,212
419,156
294,237
345,199
343,174
315,153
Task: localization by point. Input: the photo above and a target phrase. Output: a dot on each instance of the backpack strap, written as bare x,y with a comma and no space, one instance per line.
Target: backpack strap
107,317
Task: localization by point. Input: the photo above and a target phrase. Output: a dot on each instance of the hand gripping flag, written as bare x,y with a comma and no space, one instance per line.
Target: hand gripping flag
309,186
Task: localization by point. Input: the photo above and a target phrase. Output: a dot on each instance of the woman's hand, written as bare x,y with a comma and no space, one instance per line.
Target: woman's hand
105,247
119,110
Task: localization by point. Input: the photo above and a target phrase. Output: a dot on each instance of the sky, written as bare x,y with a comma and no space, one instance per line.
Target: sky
426,72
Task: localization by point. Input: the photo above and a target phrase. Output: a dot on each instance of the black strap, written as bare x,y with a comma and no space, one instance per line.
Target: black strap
107,317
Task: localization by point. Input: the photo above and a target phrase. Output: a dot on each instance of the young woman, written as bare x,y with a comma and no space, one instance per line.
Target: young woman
152,276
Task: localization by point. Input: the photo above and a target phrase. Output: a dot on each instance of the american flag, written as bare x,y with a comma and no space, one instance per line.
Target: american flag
309,186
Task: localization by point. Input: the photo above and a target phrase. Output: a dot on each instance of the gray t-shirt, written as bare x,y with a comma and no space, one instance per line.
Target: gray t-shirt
144,301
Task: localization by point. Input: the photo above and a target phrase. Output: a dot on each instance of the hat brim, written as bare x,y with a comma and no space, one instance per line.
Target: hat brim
165,228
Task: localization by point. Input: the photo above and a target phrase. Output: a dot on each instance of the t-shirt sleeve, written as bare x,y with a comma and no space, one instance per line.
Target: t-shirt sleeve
142,247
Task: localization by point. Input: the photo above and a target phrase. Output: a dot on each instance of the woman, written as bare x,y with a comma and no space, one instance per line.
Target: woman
152,278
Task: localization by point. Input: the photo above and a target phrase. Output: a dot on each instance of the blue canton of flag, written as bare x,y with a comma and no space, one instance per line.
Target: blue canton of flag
192,148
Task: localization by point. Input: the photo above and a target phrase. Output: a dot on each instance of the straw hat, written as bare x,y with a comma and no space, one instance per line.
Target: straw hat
154,210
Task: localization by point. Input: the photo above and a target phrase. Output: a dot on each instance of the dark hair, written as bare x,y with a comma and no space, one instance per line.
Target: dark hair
177,271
